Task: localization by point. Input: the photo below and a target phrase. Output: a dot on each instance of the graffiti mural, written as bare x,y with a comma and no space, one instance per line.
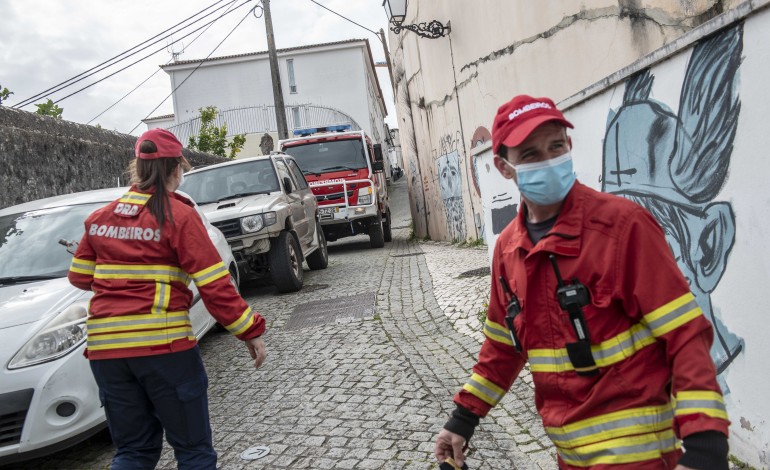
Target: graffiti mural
449,179
676,163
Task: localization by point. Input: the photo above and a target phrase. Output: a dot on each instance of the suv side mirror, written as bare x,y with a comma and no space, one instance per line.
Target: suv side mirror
287,184
378,164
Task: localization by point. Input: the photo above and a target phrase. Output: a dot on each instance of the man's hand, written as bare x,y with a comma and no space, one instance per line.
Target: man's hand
257,350
449,444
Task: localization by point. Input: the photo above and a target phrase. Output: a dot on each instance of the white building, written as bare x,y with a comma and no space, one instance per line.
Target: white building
323,84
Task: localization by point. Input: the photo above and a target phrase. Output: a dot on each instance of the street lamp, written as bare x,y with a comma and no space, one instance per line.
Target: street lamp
396,12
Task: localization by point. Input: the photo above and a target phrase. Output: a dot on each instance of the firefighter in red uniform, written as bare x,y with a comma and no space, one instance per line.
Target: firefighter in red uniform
587,290
138,255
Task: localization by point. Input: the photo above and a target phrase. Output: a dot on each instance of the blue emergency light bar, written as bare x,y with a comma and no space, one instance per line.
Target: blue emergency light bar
314,130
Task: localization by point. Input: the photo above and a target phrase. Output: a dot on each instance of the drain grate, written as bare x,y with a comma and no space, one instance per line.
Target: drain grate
406,254
400,226
339,310
478,272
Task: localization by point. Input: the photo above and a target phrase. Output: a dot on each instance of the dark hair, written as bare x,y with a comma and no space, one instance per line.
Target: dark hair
155,172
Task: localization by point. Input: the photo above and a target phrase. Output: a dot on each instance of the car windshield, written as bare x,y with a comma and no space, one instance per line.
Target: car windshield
323,157
29,241
231,181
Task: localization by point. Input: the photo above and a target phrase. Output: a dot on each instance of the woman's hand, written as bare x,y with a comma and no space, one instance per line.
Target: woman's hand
257,350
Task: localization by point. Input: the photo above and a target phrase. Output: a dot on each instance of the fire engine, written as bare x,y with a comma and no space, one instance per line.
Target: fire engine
345,171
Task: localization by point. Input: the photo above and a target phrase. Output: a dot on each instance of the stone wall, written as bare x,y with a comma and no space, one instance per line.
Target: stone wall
41,156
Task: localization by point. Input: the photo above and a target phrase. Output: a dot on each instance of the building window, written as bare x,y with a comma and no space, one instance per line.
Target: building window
292,81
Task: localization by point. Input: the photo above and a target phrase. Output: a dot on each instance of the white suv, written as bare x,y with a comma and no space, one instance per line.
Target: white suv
268,214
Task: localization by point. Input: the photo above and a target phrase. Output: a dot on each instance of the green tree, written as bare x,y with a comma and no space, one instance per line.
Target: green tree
4,94
49,109
212,139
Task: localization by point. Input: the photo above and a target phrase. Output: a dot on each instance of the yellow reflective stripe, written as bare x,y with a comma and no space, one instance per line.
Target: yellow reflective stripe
137,322
139,338
702,401
497,332
243,323
162,298
612,425
146,272
673,314
135,198
622,450
82,266
484,389
210,274
606,353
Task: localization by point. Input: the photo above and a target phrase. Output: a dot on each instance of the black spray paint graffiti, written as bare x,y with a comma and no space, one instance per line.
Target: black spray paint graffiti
675,164
451,193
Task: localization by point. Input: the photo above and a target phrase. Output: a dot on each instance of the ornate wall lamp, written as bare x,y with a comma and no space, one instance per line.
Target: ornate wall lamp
396,11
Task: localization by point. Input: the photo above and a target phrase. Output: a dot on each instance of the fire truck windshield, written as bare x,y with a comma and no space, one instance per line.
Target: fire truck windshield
322,157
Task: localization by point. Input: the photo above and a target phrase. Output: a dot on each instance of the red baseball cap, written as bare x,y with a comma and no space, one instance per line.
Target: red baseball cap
516,119
168,145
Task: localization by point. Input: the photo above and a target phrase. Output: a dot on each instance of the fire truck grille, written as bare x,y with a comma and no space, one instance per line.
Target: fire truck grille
230,228
330,197
338,310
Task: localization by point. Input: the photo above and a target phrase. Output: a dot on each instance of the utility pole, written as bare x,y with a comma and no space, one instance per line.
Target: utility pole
280,109
387,61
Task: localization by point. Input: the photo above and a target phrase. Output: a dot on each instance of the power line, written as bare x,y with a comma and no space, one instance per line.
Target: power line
153,74
93,71
148,55
343,17
195,69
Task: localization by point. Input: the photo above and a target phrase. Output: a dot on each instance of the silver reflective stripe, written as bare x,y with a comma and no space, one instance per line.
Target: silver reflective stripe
242,323
170,272
215,273
129,324
658,447
162,290
700,404
673,315
496,334
485,390
84,266
560,360
140,339
607,428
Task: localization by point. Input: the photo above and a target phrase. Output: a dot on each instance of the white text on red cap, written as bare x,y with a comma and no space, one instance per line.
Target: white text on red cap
527,108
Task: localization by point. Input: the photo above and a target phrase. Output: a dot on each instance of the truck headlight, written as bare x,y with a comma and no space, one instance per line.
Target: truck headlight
60,336
252,223
365,196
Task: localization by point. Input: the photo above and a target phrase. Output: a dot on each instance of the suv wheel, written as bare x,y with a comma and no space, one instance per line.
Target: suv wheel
286,263
319,259
376,233
386,226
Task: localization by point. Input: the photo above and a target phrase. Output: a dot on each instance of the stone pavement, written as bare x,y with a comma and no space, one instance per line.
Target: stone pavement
369,388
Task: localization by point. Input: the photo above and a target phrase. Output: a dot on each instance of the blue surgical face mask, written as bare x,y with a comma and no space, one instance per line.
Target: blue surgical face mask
547,182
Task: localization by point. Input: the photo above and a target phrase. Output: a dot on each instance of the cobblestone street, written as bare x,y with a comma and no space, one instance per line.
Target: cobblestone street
367,386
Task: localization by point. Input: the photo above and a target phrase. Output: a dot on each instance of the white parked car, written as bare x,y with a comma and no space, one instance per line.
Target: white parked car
48,397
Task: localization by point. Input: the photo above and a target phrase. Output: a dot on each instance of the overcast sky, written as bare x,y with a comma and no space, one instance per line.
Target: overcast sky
45,42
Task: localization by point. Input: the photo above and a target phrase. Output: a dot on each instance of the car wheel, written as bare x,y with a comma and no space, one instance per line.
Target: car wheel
376,234
386,226
286,263
319,259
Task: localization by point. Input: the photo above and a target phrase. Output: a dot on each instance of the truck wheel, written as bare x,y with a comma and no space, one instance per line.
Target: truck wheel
386,227
376,233
286,263
319,259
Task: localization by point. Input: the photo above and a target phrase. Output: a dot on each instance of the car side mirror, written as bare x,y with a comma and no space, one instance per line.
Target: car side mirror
378,164
287,184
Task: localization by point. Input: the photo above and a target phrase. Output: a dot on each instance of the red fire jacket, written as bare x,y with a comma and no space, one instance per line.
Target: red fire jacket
140,275
656,382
